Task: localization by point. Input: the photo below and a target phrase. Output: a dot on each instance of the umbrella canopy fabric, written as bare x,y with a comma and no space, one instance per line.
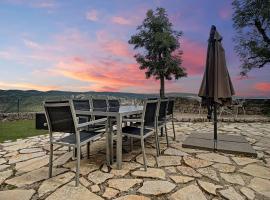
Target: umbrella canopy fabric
216,85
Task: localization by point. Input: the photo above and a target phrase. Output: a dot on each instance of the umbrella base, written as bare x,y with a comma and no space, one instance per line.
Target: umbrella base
226,143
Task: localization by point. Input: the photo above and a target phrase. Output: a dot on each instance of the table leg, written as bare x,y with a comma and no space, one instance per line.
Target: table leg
111,141
108,154
119,142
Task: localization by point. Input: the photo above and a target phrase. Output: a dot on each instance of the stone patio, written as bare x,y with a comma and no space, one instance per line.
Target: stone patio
178,173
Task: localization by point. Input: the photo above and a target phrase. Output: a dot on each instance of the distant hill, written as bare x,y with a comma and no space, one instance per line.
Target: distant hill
31,100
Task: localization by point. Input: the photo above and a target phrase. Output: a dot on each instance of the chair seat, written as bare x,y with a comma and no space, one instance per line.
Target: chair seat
130,130
147,125
85,136
97,126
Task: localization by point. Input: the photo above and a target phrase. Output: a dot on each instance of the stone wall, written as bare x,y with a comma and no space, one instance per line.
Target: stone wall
251,106
17,116
182,105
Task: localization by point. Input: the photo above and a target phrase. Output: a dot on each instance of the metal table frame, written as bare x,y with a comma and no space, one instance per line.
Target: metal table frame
118,114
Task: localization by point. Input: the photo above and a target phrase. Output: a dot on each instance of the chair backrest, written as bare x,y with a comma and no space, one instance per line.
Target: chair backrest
170,107
150,112
163,104
99,105
81,104
113,105
60,117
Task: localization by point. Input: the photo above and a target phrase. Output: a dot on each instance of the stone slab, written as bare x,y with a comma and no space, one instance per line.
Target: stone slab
30,165
261,186
243,148
150,173
70,192
133,197
123,184
34,176
98,177
17,194
156,187
256,170
53,183
221,137
190,192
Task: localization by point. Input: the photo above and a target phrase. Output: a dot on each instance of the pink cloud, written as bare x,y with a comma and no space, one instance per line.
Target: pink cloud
121,20
117,48
92,15
109,45
263,86
194,56
27,86
103,63
116,74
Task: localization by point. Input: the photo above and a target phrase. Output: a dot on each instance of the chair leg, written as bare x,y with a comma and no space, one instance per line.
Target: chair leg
51,160
174,137
166,133
157,142
161,132
78,166
74,152
144,155
88,150
131,143
111,146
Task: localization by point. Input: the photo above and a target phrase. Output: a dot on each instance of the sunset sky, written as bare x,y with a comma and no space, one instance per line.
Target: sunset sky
81,45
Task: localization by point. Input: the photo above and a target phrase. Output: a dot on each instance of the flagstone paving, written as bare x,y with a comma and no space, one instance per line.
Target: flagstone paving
179,173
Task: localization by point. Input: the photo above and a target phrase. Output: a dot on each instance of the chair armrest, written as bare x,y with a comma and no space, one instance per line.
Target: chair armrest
91,123
133,120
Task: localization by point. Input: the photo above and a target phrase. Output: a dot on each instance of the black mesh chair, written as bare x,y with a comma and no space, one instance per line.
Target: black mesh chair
169,116
161,118
61,117
99,104
147,126
82,105
113,105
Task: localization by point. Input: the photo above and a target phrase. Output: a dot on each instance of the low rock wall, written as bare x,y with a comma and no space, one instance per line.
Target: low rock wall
182,105
17,116
251,106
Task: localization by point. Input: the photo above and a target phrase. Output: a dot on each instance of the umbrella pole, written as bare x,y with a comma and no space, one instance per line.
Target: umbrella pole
215,126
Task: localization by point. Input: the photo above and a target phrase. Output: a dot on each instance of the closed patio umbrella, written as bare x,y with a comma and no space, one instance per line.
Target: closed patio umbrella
216,88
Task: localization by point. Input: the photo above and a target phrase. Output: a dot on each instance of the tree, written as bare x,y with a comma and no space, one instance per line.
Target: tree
251,20
161,57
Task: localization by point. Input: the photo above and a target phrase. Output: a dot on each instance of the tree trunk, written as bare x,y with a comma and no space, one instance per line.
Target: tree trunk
162,86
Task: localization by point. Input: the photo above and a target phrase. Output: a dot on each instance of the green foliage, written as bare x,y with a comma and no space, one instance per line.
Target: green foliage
252,24
161,57
18,129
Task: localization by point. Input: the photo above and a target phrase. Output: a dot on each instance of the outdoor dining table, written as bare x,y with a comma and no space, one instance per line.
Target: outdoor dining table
116,113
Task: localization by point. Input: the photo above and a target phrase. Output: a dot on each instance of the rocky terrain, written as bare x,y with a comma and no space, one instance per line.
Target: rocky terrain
179,173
